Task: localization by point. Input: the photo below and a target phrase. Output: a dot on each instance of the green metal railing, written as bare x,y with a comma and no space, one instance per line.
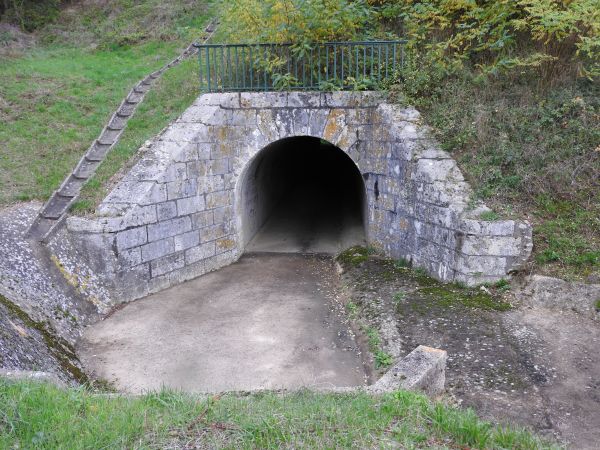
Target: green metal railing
323,66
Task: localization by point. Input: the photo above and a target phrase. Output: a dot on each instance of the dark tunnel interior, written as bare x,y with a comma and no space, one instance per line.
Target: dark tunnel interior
302,194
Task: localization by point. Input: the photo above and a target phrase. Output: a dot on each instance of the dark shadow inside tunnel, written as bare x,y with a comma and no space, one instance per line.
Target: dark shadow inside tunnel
302,194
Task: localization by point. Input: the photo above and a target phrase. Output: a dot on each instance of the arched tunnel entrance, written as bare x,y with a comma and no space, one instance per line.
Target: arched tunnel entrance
302,194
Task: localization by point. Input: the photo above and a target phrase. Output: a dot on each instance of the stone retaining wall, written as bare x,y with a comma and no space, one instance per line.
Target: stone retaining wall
177,213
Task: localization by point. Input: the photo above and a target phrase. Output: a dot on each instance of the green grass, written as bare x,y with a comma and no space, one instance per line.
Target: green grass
56,98
34,415
171,95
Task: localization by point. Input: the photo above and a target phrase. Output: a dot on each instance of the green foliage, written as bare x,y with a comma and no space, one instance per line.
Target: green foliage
382,359
549,36
30,14
296,21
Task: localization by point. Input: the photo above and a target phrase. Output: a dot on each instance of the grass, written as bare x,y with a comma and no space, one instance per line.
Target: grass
35,415
171,95
56,98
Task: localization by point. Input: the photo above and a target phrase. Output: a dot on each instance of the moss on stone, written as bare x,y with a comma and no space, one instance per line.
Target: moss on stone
58,347
451,295
353,256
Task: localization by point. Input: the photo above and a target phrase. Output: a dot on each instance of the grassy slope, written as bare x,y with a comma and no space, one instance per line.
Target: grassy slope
42,416
55,99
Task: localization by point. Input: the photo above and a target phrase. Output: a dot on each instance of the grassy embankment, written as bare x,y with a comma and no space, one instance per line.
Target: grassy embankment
56,97
36,415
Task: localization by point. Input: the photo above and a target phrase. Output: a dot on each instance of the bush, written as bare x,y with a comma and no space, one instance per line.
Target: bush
297,21
553,37
29,14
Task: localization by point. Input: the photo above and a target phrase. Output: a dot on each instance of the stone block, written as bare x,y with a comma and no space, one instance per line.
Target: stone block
175,172
202,219
166,264
186,240
218,199
166,210
168,228
132,238
199,252
223,214
130,257
157,194
182,189
491,245
218,166
190,205
213,232
483,265
157,249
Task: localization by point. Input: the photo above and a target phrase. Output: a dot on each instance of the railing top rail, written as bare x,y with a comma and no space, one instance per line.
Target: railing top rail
289,44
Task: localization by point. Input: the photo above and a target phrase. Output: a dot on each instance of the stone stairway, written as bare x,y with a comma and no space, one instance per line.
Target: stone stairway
54,212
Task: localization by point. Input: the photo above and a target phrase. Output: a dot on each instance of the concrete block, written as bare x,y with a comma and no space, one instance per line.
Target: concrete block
423,369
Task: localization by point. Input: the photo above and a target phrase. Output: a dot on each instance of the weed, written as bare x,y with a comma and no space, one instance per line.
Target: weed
399,297
352,309
597,304
489,216
401,263
382,359
502,285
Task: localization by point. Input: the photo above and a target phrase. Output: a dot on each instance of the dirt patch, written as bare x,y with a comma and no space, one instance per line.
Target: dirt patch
513,363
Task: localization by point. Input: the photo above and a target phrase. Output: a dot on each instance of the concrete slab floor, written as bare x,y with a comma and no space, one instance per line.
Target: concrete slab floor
268,321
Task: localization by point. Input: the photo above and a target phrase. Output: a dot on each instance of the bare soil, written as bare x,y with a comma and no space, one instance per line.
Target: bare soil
512,362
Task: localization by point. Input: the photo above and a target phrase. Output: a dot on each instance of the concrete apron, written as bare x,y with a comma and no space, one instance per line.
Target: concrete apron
269,321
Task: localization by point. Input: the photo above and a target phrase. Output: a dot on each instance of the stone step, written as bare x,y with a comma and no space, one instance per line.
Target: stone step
56,206
72,186
109,136
127,109
85,168
117,122
98,151
135,97
40,228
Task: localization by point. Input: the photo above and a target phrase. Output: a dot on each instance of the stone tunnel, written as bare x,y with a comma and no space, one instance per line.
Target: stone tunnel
290,172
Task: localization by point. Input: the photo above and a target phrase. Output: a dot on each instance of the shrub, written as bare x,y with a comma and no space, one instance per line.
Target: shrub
554,37
279,21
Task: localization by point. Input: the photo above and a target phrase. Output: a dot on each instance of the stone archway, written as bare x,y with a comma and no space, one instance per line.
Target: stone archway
175,215
301,194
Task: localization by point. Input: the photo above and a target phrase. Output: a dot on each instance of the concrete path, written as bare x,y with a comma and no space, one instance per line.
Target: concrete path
266,322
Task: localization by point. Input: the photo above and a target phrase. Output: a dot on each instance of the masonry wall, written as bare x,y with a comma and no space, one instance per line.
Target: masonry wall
177,213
